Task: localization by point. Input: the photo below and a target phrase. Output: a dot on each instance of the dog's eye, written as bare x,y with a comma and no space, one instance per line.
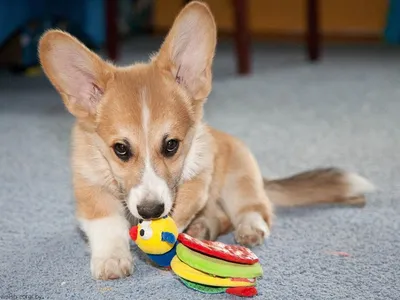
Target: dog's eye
122,151
170,147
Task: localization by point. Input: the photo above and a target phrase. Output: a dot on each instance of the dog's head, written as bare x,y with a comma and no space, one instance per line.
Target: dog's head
147,117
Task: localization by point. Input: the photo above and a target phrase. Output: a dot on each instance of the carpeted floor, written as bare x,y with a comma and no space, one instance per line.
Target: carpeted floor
293,115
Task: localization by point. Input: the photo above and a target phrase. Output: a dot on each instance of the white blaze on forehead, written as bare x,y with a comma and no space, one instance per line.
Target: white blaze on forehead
145,118
151,187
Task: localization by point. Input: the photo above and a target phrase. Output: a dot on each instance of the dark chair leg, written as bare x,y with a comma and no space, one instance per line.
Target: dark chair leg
242,36
313,34
112,42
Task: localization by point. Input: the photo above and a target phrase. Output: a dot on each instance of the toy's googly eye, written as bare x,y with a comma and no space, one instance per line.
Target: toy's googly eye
146,234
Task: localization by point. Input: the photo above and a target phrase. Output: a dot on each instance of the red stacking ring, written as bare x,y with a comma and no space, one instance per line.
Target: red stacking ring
232,253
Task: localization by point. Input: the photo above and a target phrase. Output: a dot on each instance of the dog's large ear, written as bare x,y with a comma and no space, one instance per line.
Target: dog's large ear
78,74
188,50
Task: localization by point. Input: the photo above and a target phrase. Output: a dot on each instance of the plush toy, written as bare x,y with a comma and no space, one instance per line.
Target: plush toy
156,238
205,266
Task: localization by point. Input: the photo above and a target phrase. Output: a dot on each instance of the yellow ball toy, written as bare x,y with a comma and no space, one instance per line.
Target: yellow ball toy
157,238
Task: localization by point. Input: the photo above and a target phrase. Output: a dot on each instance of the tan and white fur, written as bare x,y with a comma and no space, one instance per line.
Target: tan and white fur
141,149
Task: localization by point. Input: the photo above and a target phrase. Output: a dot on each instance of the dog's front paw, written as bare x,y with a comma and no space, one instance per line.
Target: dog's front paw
199,229
108,237
252,230
113,267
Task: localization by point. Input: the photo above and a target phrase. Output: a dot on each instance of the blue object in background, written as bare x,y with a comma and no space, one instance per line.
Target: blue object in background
392,30
29,39
85,19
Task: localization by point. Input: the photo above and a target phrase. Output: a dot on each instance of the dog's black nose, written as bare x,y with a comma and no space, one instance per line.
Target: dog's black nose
150,209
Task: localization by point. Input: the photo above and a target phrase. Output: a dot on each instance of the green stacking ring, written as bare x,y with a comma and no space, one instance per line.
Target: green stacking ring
206,289
217,267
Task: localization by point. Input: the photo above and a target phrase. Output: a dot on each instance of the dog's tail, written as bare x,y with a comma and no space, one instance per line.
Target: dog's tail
329,185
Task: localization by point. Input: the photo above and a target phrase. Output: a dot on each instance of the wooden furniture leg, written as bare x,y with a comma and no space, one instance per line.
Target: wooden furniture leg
313,41
112,42
242,36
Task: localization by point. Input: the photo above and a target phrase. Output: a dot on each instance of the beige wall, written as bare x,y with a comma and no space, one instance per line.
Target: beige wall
338,17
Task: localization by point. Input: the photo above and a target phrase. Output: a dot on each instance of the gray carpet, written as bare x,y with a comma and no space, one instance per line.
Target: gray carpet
293,115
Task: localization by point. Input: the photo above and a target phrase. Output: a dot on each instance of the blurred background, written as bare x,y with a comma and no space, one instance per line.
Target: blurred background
109,25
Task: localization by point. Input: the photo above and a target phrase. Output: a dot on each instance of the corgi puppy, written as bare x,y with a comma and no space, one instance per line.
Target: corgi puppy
140,149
